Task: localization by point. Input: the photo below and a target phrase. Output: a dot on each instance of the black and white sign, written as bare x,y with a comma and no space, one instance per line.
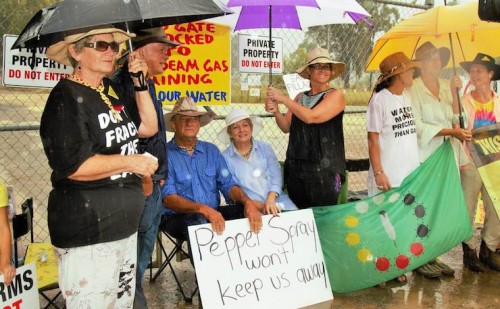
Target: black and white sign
254,54
22,291
30,67
280,267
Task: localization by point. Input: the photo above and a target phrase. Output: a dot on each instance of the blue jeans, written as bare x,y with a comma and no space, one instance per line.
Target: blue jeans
146,237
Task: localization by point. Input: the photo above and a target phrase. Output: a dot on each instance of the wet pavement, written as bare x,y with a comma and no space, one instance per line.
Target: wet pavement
464,290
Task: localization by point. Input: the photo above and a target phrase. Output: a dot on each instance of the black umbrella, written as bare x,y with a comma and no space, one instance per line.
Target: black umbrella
53,23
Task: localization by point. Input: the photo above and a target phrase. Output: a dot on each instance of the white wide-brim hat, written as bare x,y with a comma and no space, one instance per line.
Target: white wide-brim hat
321,55
233,117
186,106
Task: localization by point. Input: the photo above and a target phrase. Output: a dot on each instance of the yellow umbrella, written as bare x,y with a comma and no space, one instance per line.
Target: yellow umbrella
456,27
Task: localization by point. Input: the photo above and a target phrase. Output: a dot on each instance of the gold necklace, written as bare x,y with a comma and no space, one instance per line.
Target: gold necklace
100,90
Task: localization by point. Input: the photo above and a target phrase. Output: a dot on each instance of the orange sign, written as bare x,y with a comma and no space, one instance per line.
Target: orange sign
200,67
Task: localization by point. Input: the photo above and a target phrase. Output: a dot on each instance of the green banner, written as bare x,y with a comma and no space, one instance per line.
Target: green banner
377,239
485,151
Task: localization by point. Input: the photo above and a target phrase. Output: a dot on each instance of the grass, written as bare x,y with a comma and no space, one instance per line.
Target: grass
353,97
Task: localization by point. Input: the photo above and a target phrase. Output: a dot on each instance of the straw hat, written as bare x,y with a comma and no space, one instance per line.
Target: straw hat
321,55
153,35
59,51
427,50
485,60
233,117
394,64
187,107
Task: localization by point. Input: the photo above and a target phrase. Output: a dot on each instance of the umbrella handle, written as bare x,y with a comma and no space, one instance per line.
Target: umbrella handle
460,111
460,114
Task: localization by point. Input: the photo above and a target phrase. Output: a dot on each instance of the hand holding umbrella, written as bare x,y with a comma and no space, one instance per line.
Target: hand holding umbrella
138,70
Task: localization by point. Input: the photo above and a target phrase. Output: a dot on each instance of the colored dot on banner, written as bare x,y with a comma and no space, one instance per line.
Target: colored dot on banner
422,230
378,199
394,197
365,255
362,207
416,249
352,239
351,221
409,199
382,264
402,261
420,211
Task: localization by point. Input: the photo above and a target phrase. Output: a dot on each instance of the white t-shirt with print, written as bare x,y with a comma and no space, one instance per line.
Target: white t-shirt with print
391,116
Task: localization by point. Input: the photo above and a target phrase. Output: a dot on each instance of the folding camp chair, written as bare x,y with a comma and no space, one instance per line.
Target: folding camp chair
42,254
169,256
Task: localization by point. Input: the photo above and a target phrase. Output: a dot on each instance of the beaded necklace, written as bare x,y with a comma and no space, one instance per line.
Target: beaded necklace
187,149
246,154
100,90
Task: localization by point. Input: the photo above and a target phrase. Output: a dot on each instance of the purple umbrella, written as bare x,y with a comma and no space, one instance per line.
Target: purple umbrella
290,14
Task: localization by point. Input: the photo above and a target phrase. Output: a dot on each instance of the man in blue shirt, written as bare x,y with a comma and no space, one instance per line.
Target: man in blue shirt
152,44
197,173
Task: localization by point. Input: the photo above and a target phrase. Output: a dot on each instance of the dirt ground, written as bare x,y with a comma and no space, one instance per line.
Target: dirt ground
23,165
464,290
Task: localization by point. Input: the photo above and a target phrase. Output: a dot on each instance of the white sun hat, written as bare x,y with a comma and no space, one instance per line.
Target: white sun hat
233,117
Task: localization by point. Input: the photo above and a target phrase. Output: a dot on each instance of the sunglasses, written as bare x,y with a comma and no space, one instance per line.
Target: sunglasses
321,66
103,46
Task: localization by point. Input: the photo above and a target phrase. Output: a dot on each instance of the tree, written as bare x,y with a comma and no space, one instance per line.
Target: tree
352,44
15,14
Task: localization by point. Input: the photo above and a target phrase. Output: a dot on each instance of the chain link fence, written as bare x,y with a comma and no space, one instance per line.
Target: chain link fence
23,164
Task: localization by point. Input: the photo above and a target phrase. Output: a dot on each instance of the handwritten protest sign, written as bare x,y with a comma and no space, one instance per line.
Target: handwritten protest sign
200,67
295,84
22,291
281,267
254,54
28,67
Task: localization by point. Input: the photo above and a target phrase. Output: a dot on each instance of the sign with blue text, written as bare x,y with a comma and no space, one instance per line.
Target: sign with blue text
280,267
22,292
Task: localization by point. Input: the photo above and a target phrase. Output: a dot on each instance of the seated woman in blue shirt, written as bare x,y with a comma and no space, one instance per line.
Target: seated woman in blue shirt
253,163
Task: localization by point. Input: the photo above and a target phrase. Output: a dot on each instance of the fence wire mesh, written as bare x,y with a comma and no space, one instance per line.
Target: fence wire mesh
24,165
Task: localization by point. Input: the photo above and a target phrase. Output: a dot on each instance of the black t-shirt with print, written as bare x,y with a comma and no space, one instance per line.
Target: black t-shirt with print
76,125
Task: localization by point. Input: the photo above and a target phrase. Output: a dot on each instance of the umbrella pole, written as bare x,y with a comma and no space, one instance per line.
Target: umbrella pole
270,44
129,39
460,114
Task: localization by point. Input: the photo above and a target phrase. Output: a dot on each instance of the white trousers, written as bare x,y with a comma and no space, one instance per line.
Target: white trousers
100,275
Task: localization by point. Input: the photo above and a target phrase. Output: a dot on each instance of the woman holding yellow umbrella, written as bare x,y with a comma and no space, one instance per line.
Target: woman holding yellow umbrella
434,102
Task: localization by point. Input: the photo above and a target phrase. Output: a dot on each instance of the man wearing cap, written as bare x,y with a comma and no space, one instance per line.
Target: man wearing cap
197,173
152,45
434,102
